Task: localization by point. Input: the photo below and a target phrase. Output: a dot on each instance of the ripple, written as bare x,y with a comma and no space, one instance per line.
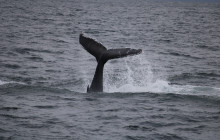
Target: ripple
12,116
30,50
12,66
212,48
46,106
35,58
168,136
9,108
180,54
142,128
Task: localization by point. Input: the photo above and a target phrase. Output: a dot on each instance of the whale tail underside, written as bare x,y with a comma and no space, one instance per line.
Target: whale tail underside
101,53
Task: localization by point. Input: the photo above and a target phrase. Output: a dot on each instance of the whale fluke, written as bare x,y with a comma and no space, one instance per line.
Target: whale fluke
119,53
93,47
102,55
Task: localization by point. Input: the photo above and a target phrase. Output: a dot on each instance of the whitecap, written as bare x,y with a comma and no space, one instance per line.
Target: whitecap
10,82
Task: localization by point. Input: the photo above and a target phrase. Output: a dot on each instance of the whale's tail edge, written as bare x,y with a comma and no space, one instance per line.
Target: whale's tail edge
119,53
93,47
101,53
88,88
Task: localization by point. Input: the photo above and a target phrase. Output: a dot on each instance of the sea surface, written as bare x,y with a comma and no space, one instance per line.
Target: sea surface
169,92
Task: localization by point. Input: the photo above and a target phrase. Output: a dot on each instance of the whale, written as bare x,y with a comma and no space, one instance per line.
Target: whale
102,55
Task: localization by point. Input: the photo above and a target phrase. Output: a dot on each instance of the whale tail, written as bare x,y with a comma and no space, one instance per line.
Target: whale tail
101,53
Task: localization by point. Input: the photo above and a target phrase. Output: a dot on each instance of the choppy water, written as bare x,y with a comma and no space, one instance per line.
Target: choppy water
170,91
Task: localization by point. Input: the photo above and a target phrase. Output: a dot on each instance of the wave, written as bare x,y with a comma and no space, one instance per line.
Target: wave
19,87
164,87
30,50
179,54
160,89
10,82
212,48
12,66
196,74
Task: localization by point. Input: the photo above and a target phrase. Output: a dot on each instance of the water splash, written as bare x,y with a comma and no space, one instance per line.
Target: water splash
136,75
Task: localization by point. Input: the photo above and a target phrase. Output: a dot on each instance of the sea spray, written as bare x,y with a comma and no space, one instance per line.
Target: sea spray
134,75
137,75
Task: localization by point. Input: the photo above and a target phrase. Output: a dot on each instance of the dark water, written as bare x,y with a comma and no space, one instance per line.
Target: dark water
171,91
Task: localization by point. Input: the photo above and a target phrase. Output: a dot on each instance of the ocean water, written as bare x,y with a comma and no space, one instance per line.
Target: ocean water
169,92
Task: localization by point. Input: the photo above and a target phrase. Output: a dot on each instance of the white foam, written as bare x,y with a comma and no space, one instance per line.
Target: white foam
161,86
10,82
3,82
137,76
